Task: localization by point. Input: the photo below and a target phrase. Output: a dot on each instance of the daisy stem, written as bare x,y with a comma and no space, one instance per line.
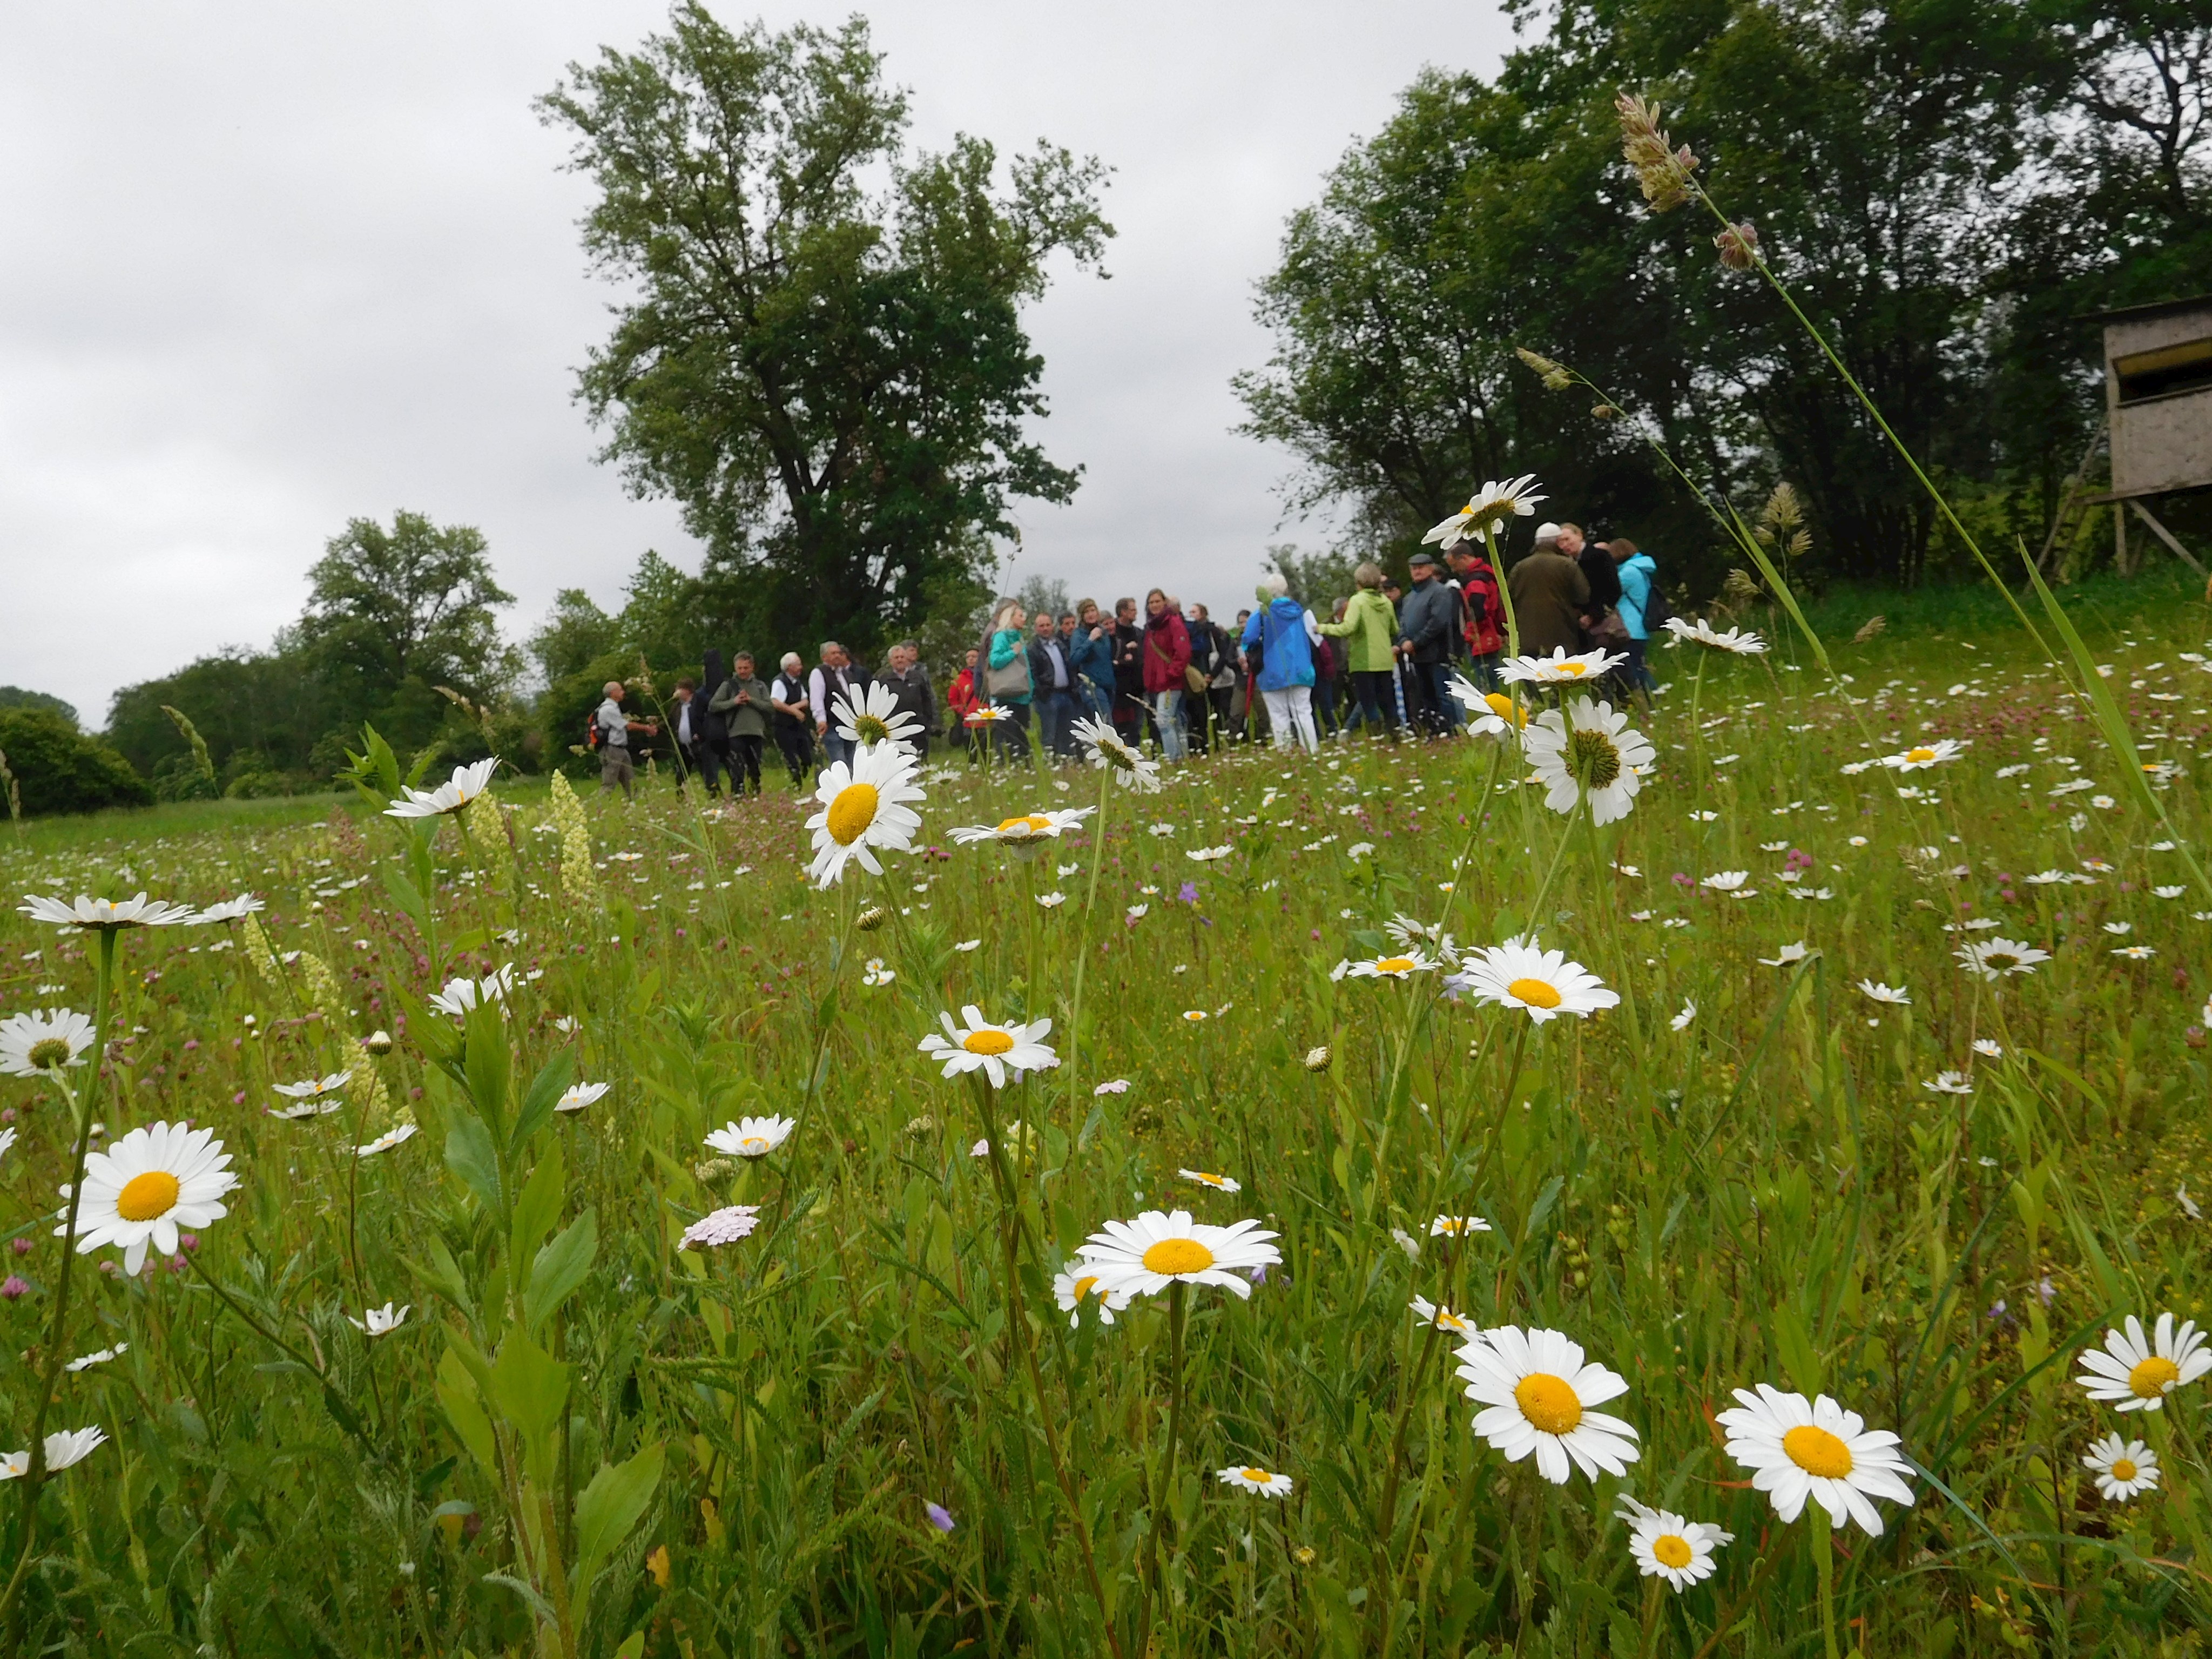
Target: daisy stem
1558,856
34,1476
1504,1102
1767,1563
1176,1290
341,1412
1824,1565
1073,1058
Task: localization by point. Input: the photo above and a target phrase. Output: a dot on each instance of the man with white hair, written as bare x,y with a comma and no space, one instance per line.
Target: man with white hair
795,718
615,766
833,680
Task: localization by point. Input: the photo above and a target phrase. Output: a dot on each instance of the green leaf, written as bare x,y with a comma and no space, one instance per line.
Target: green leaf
1793,1347
530,1389
539,1206
559,1267
529,1593
404,894
488,1064
457,1393
470,1155
546,1092
607,1508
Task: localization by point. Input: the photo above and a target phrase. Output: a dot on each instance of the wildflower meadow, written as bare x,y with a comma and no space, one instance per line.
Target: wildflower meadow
1718,1174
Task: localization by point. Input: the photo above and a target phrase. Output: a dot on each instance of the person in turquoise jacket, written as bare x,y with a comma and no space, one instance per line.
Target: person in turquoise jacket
1006,677
1637,572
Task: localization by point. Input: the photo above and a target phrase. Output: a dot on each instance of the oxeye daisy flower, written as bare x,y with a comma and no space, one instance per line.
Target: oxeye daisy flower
994,1050
1403,967
1681,1021
64,1448
1144,1255
1665,1545
107,915
1488,511
1921,756
1103,747
989,714
1585,751
85,1362
1724,881
462,994
148,1185
863,810
1430,1313
1949,1083
874,717
457,794
1875,991
1071,1284
1994,958
723,1226
1525,975
752,1136
1452,1226
1735,642
379,1321
233,909
1559,668
2122,1469
1220,1183
1489,713
2132,1375
1028,835
44,1041
580,1095
313,1088
1797,1449
1537,1391
386,1141
1265,1483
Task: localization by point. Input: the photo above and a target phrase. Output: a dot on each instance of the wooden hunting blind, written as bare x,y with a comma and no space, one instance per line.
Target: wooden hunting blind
2158,406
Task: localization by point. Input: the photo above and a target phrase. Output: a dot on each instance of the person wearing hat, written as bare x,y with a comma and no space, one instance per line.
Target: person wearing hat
1426,624
1550,593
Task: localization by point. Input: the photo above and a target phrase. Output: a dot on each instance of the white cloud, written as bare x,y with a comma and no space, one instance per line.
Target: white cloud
276,266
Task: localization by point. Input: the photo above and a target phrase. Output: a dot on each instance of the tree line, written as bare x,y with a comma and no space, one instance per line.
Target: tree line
1949,185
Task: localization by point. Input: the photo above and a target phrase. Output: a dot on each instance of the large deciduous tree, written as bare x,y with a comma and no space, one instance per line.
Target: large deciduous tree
411,606
820,353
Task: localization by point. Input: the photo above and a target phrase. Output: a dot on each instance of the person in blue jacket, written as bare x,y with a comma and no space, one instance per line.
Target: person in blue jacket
1286,634
1637,574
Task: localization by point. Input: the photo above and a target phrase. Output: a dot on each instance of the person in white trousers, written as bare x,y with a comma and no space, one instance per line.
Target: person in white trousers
1280,644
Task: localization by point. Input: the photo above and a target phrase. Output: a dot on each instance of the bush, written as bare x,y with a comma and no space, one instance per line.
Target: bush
59,769
178,777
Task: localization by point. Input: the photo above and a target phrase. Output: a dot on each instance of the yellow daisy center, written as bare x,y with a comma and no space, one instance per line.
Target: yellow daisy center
1084,1285
1671,1549
1817,1452
1505,708
2124,1468
147,1197
987,1042
1573,669
1536,993
1592,756
1548,1403
2153,1377
1920,756
1450,1321
1178,1256
1259,1477
48,1053
1209,1178
852,812
752,1143
1030,824
1395,965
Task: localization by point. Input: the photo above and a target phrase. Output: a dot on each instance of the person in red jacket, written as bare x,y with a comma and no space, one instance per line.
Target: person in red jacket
1482,614
1166,653
964,698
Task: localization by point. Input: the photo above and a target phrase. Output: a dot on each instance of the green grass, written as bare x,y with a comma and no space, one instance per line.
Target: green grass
739,1442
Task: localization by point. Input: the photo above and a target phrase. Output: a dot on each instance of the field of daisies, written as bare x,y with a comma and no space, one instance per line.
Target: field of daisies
1711,1175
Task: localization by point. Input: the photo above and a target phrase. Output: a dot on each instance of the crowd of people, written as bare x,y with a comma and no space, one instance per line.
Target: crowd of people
1381,662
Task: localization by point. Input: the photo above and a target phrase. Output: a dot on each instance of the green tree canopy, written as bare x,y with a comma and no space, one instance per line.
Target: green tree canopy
415,603
833,381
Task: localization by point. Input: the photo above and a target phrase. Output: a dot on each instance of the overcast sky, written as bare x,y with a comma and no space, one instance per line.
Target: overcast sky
273,266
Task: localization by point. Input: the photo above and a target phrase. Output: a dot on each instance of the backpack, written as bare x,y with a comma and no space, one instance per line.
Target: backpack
592,730
1656,610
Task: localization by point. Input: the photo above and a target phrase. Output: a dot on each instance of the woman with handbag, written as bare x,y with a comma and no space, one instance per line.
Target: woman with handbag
1005,674
1167,668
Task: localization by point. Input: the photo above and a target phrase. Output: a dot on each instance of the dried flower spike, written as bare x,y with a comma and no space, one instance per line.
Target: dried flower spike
1661,169
1556,378
1739,246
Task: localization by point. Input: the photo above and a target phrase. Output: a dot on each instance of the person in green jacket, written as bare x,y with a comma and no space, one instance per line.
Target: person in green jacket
1004,673
1371,626
743,700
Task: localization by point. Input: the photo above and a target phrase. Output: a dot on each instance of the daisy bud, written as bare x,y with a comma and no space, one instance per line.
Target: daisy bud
872,918
377,1043
1317,1059
1739,246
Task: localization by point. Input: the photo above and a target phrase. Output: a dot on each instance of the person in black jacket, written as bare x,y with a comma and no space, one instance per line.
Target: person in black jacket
908,681
1129,706
711,750
1426,623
